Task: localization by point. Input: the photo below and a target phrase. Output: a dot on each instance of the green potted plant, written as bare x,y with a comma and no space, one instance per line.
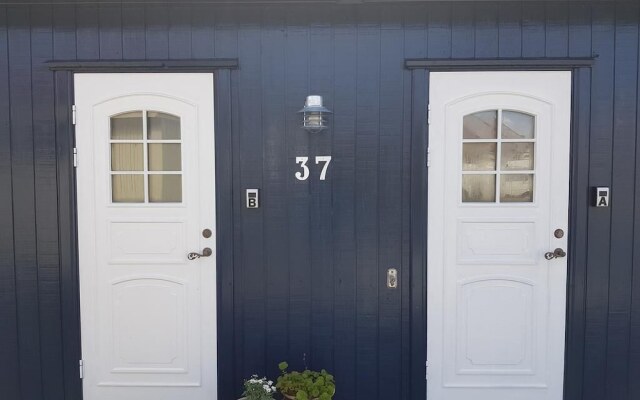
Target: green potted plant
305,385
258,389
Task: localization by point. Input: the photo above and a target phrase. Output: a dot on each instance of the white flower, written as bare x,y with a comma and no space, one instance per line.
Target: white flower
266,387
270,383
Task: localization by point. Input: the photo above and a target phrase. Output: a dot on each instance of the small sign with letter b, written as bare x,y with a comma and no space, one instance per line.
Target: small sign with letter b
252,198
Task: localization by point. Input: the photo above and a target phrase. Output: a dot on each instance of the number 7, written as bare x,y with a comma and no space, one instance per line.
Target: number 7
326,160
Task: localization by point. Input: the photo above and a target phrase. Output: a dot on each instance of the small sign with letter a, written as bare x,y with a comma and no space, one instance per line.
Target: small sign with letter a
601,197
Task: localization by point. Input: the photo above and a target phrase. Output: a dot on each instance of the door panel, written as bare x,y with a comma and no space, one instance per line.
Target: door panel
498,188
145,193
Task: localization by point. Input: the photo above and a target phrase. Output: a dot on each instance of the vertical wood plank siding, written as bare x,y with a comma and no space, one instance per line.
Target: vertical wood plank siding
343,186
303,278
27,293
9,371
623,173
599,225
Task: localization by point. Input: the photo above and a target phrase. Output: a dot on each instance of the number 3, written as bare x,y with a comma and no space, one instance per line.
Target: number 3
302,176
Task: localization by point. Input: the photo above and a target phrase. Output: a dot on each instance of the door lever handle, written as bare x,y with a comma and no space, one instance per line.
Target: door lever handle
557,253
206,252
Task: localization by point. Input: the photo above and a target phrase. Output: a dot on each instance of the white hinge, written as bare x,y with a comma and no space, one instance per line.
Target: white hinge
428,157
73,114
429,114
81,368
426,370
75,156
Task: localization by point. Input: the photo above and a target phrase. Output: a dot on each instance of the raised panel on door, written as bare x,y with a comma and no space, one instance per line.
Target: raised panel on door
498,188
145,194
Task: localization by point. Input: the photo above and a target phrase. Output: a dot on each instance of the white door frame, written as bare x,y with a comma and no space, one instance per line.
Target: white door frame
435,228
205,172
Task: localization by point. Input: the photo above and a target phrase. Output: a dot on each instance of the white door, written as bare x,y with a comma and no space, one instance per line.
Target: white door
498,201
145,179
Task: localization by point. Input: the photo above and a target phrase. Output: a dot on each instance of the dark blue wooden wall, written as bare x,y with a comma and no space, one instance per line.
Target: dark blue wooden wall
304,276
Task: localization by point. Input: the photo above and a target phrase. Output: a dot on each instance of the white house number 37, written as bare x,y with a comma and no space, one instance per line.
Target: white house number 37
304,174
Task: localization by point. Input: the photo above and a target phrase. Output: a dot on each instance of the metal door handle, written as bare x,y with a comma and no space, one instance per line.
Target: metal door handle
206,252
557,253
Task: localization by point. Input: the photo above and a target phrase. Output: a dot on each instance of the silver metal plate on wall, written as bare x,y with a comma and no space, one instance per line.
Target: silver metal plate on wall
392,278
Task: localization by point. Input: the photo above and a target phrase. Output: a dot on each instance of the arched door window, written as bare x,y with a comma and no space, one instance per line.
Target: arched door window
498,157
146,157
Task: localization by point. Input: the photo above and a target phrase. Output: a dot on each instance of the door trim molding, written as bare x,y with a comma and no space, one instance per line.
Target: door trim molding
206,65
486,64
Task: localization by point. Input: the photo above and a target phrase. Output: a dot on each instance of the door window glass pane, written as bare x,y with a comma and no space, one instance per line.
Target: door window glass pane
127,126
165,157
165,188
163,126
516,188
127,157
479,157
517,157
480,125
517,125
127,188
479,188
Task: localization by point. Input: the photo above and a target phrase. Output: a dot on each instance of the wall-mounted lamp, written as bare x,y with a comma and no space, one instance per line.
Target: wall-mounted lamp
313,113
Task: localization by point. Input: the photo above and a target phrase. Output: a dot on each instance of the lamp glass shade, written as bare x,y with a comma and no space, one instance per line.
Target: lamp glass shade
313,112
313,120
